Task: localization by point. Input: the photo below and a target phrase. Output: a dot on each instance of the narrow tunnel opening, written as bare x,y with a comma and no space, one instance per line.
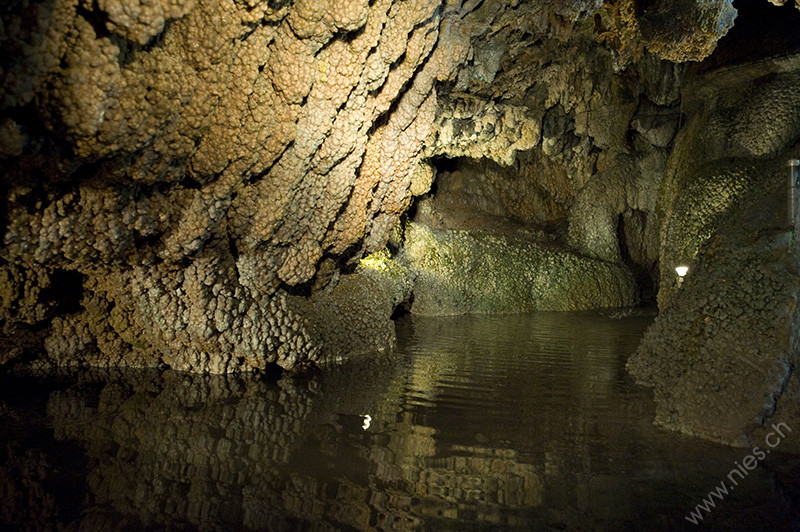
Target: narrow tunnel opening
631,226
272,372
403,309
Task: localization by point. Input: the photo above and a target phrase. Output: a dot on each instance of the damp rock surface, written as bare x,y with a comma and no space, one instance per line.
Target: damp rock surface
352,318
458,272
192,183
722,355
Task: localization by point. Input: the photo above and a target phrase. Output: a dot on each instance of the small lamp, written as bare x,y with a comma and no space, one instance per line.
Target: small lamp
681,271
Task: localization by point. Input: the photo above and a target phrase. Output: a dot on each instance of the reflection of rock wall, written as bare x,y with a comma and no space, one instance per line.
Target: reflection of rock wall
41,484
477,430
26,500
491,479
173,450
187,449
26,485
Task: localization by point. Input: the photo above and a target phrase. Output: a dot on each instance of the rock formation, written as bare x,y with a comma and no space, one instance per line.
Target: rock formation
186,168
194,183
461,272
720,356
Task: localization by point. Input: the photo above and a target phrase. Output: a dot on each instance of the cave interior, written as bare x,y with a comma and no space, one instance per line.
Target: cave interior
268,187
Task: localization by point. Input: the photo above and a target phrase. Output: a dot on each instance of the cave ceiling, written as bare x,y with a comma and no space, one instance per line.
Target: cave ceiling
192,164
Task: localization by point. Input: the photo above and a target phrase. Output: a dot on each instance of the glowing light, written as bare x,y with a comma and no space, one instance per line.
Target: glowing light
681,270
367,421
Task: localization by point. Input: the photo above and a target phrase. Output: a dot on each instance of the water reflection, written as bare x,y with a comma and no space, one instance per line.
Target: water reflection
514,422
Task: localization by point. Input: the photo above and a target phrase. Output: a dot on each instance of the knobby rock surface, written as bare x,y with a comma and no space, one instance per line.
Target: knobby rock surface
176,173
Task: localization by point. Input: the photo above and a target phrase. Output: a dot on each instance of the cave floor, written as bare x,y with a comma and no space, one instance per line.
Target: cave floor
525,422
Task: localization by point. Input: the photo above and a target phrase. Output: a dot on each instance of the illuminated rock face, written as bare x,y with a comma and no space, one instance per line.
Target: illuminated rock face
186,164
186,183
460,272
722,354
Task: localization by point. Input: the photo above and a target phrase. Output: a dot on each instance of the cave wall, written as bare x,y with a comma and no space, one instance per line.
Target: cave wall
194,162
586,183
462,272
187,183
721,356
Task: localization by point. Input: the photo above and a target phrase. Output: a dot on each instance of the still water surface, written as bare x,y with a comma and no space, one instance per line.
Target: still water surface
476,423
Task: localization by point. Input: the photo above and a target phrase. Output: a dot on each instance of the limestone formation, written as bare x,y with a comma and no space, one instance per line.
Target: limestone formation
685,30
194,183
351,319
190,183
139,21
722,356
461,272
468,127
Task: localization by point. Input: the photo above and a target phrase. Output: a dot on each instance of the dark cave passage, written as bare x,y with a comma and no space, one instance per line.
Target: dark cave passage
631,241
